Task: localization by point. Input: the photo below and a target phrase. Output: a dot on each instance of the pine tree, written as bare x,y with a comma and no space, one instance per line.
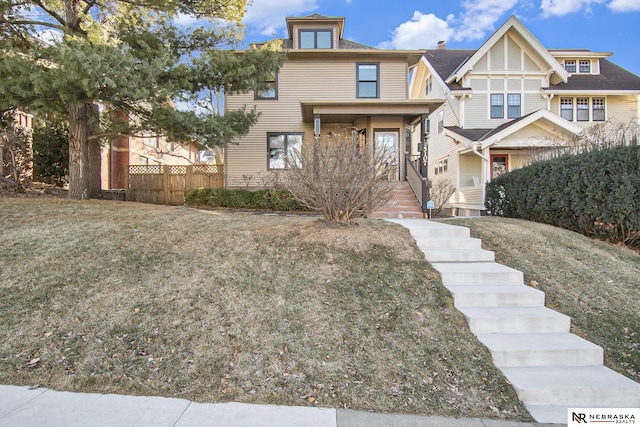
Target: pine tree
131,57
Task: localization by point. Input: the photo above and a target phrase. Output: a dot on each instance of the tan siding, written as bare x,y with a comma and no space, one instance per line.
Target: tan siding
514,57
497,56
533,102
393,80
514,85
531,84
497,84
476,114
622,108
529,64
479,84
481,65
470,167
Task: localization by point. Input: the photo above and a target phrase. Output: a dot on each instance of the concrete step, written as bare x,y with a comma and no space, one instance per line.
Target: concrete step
573,386
433,244
478,273
440,232
459,255
518,350
513,320
496,296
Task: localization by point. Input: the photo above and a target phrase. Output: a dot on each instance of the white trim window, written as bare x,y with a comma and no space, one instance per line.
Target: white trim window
497,106
582,109
566,108
441,166
585,66
440,121
570,65
586,109
598,109
513,105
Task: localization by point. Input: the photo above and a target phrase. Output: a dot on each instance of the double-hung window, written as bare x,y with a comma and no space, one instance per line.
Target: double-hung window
315,39
598,109
582,109
585,66
267,89
368,75
566,108
513,105
280,147
570,66
497,106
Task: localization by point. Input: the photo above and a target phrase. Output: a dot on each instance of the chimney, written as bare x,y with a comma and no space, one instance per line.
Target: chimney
442,45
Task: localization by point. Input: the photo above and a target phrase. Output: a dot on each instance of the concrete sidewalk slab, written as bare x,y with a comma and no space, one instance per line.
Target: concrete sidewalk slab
22,407
243,414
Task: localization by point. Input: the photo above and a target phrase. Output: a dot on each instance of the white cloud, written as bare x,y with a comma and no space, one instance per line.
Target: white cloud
480,16
421,32
625,5
268,15
564,7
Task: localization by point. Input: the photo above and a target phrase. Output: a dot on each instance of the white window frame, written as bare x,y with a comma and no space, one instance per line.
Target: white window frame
587,66
570,65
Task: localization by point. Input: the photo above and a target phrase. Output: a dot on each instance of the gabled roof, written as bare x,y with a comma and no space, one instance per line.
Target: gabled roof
488,137
611,78
511,24
445,62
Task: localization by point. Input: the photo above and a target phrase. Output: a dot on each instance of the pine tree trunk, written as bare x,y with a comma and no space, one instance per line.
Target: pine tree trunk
78,152
95,176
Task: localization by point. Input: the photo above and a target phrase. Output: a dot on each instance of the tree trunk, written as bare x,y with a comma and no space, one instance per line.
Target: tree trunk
95,178
78,152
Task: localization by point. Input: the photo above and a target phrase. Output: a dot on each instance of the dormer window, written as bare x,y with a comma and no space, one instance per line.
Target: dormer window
585,66
315,39
570,66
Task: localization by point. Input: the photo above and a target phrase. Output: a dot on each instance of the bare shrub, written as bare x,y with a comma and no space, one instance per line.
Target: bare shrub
440,193
341,176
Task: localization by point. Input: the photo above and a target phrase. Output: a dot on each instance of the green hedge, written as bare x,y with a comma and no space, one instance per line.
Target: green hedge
275,200
596,194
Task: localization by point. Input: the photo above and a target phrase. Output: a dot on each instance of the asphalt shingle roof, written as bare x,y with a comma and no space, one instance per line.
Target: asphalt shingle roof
612,77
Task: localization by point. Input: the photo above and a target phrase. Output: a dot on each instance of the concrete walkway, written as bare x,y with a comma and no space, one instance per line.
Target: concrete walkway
21,406
550,368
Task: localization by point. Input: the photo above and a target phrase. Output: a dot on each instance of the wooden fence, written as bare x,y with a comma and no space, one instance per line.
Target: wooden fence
166,184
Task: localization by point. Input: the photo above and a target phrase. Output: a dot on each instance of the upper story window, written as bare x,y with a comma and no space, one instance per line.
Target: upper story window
513,105
598,109
586,109
497,106
368,76
585,66
429,85
440,121
267,89
582,109
570,65
566,108
315,39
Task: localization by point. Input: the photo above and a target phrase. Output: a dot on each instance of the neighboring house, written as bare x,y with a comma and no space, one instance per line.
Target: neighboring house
326,84
124,151
508,98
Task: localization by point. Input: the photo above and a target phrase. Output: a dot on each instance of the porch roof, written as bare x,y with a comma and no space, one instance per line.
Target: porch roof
348,110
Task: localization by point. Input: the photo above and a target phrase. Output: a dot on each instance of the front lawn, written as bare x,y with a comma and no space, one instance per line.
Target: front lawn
128,298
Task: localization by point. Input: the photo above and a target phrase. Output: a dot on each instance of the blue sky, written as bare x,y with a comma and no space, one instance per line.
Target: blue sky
598,25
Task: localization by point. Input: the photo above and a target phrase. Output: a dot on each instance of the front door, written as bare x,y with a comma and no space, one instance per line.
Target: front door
499,165
387,140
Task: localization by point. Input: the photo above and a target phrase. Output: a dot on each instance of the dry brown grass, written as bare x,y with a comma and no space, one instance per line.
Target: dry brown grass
140,299
596,283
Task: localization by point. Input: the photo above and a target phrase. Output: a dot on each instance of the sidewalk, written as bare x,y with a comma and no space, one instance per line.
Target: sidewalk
21,406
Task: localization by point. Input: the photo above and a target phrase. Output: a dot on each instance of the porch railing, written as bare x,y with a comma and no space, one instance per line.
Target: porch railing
418,184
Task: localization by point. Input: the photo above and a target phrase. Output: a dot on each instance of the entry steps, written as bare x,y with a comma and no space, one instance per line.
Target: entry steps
550,369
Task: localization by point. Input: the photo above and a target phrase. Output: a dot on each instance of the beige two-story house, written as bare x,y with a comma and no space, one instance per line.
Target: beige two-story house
327,84
507,100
